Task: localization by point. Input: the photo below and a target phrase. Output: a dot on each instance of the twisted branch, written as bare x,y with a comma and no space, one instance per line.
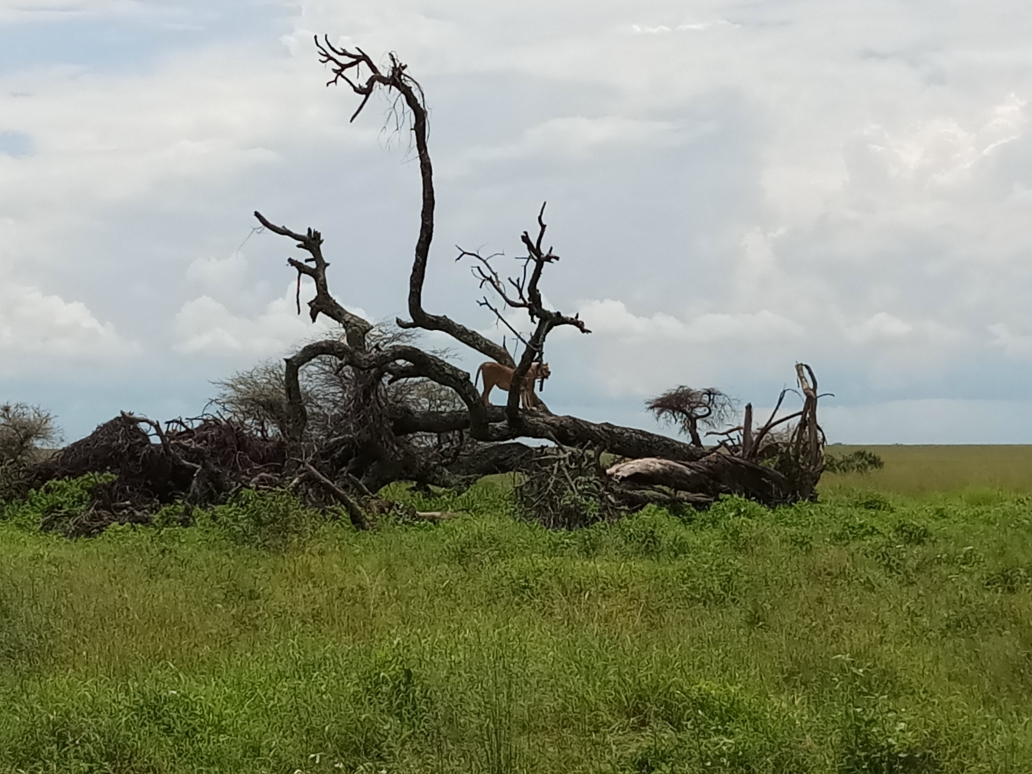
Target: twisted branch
343,64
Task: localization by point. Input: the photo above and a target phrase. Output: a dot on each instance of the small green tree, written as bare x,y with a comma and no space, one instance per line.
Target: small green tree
861,461
687,408
25,433
24,429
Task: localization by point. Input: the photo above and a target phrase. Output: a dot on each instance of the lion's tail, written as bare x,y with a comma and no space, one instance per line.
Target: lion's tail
478,375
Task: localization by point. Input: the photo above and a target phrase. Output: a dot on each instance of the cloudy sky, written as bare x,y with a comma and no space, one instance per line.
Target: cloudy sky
732,186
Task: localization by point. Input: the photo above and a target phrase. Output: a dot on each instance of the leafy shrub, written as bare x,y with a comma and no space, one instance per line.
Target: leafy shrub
563,489
58,500
268,519
861,461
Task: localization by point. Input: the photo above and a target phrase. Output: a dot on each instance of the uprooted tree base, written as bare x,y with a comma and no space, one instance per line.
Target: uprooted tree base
205,462
378,433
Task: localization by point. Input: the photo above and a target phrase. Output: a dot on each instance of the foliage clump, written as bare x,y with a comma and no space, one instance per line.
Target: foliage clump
861,461
688,408
567,489
26,433
271,519
62,505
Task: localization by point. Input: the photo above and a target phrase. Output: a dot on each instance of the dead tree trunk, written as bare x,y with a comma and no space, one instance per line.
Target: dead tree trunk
741,473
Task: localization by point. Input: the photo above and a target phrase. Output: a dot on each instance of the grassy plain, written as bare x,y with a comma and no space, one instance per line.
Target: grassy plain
924,470
870,632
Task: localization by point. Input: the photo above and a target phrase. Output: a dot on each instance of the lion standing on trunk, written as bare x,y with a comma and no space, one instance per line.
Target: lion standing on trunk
500,376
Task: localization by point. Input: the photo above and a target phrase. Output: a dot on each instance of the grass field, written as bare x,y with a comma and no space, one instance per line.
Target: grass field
923,470
870,632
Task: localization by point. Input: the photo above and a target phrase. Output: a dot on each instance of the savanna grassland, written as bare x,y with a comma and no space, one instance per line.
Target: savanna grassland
874,631
933,470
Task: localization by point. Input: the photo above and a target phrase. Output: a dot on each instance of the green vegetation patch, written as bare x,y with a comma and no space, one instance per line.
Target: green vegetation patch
865,633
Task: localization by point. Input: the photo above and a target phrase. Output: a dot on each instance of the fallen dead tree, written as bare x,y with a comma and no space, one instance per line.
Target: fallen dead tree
756,463
367,407
195,463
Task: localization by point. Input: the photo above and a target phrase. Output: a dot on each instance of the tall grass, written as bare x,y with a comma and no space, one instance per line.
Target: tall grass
867,633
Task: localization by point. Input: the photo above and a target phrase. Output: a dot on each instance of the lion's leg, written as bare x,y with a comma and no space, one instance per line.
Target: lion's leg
527,396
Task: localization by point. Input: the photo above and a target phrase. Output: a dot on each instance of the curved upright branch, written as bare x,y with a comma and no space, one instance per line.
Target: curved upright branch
347,66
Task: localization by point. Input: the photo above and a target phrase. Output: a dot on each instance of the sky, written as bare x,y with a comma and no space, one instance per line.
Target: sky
732,187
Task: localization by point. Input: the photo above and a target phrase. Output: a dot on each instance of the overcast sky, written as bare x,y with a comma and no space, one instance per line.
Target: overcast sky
732,186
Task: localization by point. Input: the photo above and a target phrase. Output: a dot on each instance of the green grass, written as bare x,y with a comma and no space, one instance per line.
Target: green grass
933,470
867,633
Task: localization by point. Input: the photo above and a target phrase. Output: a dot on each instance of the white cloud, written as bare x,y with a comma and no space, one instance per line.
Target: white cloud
612,318
43,331
218,274
46,10
575,139
844,183
881,326
934,153
205,326
634,355
662,29
1016,345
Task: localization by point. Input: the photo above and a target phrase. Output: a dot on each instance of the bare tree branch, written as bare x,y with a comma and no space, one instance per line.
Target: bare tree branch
323,302
344,64
353,509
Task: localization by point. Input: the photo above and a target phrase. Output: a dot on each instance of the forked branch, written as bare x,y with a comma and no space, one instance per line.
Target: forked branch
314,267
523,292
347,66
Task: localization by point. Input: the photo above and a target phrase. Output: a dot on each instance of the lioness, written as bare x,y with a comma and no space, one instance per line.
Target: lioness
500,376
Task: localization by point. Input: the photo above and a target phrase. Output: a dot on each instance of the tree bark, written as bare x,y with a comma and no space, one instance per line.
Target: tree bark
713,475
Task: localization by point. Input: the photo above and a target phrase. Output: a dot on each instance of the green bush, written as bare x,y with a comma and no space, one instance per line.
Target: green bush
267,519
861,461
58,500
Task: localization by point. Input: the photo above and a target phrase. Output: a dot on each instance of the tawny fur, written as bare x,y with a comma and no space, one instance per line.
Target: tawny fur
500,376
